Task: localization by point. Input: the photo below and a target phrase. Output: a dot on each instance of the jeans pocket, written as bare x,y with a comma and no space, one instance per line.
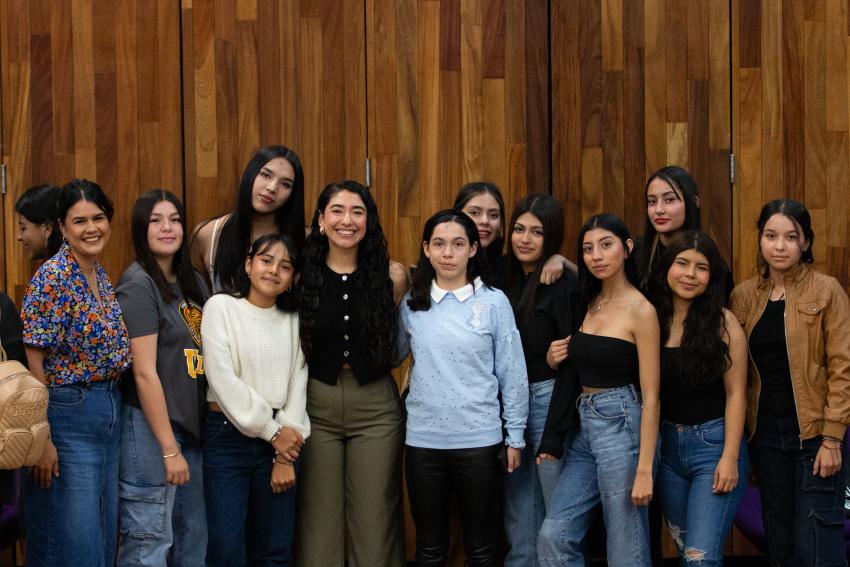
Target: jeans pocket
214,426
713,436
143,510
609,409
815,483
66,396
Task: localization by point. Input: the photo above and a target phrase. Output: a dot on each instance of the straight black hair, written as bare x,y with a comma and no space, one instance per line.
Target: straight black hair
799,215
78,190
493,253
420,290
685,188
286,301
235,235
547,210
139,221
38,206
589,284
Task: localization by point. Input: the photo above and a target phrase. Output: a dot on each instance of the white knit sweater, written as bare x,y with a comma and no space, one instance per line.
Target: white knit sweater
255,366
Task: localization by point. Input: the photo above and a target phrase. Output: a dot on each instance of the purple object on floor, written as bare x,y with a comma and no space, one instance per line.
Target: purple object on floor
749,521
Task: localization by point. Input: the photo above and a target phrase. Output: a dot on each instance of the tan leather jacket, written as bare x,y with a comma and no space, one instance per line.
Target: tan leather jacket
817,332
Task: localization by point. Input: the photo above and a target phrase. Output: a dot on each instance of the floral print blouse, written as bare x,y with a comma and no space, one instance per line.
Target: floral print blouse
83,342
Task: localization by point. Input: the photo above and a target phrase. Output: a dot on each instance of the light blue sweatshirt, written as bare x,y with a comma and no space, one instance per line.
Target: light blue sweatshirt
466,350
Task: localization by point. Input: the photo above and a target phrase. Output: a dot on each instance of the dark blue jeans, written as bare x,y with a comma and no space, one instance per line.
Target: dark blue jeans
803,513
242,510
74,523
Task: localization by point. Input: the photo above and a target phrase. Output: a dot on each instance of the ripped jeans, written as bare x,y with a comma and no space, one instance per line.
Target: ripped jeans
803,513
698,519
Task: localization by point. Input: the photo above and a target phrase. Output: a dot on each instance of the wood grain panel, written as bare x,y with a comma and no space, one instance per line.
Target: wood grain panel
668,105
475,108
262,72
92,93
790,111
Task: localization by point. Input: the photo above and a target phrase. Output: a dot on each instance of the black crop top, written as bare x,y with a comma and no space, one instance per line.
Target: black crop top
686,403
338,335
604,362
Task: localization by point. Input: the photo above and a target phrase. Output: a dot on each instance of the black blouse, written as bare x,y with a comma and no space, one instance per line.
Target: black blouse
338,336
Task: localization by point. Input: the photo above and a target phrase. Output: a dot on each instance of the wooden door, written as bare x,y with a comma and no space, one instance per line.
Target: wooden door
791,122
457,92
637,85
92,92
261,72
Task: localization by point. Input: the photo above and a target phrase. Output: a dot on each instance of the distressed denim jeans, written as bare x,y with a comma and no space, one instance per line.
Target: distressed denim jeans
698,519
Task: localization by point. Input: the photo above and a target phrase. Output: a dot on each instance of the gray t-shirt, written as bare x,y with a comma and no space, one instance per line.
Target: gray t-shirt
179,362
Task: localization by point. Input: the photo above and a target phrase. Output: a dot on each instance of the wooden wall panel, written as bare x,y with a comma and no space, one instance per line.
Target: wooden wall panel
260,72
458,91
791,113
91,93
637,85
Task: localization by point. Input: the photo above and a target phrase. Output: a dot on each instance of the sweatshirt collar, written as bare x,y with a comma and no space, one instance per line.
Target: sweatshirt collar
461,294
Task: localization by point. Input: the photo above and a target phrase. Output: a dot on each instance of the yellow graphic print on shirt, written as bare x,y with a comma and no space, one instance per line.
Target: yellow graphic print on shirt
194,362
192,315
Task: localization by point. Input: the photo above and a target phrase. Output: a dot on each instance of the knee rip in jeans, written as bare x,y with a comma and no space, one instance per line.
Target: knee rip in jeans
692,554
677,534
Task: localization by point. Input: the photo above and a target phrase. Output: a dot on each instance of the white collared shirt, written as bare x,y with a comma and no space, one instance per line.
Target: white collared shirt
461,293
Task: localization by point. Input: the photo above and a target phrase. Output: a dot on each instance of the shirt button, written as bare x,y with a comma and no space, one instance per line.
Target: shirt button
345,337
345,296
345,278
345,353
345,318
814,307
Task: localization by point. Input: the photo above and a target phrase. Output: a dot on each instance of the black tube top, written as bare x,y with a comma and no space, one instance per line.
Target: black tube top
604,362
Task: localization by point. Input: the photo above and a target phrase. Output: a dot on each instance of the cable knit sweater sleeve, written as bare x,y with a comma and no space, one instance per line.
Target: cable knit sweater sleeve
241,403
294,413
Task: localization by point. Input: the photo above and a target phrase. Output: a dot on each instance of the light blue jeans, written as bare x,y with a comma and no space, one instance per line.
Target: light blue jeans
600,466
74,523
699,520
528,488
160,524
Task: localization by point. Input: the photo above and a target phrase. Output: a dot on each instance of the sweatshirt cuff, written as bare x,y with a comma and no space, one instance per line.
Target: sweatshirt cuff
269,429
834,429
516,438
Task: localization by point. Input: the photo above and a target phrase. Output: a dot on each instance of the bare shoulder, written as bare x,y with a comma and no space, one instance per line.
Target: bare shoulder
643,310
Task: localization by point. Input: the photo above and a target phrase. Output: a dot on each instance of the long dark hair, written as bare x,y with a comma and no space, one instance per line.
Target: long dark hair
798,214
707,356
420,289
38,205
373,263
286,301
589,284
139,221
549,213
685,188
493,253
235,235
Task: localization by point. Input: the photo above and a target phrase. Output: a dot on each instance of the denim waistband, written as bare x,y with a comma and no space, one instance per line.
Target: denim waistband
628,392
696,427
99,385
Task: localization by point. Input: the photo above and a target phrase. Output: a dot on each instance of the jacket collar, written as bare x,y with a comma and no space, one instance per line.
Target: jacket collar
792,276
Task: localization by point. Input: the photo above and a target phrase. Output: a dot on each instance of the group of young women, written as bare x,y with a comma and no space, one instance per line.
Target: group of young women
254,356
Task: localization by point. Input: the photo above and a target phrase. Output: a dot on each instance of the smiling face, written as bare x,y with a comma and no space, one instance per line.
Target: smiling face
270,272
689,274
449,251
604,253
484,211
165,233
33,237
782,243
87,229
272,186
344,220
665,207
527,241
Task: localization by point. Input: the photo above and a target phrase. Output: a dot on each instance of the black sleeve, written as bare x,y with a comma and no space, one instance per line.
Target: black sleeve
562,414
11,330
